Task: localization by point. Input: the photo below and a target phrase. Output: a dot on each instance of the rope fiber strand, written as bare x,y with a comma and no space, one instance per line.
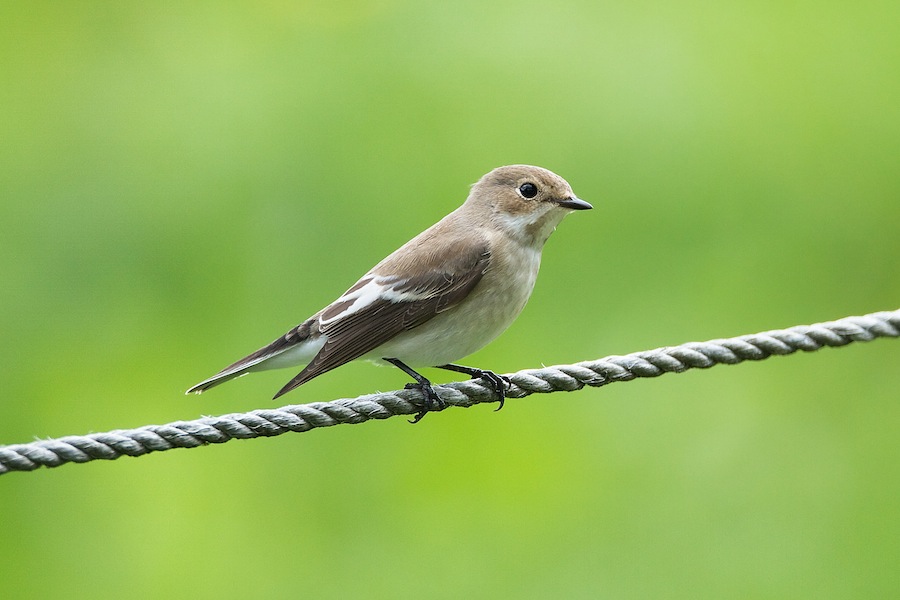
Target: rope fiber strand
303,417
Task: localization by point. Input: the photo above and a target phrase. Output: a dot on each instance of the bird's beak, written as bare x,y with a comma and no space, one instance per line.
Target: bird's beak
574,203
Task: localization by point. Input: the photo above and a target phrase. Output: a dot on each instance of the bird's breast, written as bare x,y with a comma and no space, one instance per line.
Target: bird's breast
483,315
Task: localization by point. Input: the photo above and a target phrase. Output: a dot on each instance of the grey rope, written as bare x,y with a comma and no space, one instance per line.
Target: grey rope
303,417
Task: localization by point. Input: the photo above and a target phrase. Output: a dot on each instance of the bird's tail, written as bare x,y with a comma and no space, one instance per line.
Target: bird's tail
293,339
241,367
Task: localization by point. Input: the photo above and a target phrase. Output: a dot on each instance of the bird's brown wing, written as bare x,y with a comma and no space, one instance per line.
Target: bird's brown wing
406,303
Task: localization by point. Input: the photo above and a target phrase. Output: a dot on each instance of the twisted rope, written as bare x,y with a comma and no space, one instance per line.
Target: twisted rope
303,417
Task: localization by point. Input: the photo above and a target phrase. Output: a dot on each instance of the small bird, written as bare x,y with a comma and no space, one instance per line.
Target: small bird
443,295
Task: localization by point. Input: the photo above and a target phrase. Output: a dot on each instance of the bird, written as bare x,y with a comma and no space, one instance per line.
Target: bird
440,297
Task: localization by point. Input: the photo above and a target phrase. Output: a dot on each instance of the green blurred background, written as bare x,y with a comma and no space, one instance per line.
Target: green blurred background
182,182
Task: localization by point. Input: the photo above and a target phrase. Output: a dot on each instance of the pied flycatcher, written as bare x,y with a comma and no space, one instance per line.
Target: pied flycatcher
443,295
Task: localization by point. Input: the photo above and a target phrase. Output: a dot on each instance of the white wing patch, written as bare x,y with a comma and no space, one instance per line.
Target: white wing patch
360,296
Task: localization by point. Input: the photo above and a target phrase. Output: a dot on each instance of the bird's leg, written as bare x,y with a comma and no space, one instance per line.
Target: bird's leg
498,382
423,385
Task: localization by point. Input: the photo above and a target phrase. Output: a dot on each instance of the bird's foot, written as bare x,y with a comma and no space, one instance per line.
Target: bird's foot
432,400
499,382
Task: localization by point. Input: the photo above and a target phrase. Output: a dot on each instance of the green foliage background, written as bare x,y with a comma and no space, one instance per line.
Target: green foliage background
181,182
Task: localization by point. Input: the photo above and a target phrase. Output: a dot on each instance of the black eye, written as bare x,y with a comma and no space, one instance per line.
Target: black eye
528,190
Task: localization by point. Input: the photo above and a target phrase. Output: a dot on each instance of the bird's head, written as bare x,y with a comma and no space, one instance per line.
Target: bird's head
525,202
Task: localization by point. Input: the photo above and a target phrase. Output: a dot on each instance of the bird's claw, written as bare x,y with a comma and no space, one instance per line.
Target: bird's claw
498,382
432,400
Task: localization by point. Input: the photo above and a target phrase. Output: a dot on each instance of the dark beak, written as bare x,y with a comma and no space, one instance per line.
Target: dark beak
574,203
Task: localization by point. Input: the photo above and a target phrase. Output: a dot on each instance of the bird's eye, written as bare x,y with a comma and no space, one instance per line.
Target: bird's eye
528,190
